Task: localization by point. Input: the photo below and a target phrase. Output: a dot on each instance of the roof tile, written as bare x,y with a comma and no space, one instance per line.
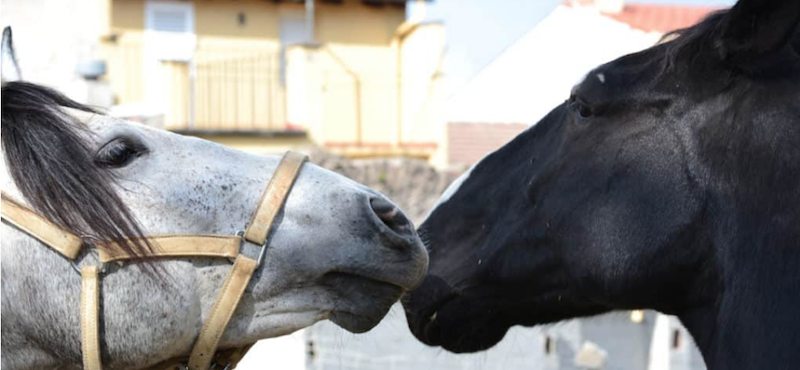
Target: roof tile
661,18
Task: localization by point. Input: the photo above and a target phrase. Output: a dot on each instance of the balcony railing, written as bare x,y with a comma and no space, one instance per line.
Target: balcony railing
352,107
217,89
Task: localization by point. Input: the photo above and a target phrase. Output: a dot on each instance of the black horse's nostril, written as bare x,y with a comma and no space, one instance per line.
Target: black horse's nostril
392,216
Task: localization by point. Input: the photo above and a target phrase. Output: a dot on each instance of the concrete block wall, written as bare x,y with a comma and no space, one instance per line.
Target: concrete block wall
390,346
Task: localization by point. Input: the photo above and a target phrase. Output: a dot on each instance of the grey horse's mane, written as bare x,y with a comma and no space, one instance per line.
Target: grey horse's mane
49,158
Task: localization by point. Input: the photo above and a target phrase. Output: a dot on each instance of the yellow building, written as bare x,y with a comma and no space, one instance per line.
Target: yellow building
353,76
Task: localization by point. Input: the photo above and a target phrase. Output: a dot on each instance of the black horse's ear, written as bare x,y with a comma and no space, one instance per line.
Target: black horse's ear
754,29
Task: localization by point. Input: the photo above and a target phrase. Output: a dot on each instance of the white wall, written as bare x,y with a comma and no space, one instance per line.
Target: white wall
537,73
52,36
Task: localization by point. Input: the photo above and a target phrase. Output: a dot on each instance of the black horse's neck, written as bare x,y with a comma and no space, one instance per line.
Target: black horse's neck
762,334
753,323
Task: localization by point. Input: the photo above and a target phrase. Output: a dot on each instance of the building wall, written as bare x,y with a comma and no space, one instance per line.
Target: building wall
362,88
360,34
52,37
380,99
356,68
353,23
216,20
234,70
422,90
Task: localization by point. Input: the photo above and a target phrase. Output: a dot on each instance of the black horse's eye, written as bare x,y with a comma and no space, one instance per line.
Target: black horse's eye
583,110
117,153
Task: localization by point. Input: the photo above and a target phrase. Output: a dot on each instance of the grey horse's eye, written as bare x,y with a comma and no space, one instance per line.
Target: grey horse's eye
117,153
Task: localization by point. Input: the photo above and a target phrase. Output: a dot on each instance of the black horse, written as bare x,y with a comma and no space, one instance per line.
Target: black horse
670,180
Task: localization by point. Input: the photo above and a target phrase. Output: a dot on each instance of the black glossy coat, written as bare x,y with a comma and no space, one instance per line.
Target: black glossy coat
669,180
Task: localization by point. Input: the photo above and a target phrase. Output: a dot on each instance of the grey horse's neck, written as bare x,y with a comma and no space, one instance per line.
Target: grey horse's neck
144,320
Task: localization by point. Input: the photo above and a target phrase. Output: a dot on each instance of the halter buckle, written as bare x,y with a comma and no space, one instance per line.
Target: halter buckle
103,267
261,254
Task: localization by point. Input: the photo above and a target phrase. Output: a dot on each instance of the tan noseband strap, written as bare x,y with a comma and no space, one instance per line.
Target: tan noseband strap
69,245
220,246
205,349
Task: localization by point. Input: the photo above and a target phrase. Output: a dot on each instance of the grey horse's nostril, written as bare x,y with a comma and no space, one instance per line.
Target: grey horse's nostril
392,216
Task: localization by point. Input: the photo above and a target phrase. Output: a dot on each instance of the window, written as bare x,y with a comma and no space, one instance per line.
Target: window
169,16
169,34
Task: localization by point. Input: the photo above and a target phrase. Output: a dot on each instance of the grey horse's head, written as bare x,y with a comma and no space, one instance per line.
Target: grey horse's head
338,250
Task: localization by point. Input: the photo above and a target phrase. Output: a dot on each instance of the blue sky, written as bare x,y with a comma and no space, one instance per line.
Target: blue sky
479,30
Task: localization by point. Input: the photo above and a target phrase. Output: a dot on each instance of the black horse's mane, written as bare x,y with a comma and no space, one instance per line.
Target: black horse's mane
694,43
52,164
693,40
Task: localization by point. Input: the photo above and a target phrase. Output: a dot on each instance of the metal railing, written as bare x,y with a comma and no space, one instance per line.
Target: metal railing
218,89
244,89
237,91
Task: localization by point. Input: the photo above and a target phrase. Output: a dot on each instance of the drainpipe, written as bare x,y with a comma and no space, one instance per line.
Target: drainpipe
356,85
192,102
399,87
310,20
400,35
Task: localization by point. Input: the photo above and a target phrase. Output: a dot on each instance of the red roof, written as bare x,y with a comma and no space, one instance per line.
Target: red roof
661,18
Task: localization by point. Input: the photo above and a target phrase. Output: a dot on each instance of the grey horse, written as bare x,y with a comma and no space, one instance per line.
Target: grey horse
338,250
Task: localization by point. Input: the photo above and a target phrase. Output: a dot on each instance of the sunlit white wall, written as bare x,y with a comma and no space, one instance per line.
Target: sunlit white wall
534,75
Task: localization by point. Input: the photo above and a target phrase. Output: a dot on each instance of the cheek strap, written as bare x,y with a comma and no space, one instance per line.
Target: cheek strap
90,317
221,313
243,268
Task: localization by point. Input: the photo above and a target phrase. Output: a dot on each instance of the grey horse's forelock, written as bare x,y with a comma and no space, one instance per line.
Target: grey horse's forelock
50,160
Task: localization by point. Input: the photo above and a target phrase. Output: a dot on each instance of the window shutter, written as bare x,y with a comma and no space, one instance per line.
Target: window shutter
170,20
170,30
169,16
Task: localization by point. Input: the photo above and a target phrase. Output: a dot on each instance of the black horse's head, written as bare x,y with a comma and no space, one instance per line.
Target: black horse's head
627,194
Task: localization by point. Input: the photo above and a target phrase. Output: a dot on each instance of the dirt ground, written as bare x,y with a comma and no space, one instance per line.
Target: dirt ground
412,184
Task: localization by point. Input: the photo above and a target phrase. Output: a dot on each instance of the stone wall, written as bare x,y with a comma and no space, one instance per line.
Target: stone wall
412,184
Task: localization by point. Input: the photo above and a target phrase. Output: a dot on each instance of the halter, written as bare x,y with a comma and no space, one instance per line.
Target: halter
204,351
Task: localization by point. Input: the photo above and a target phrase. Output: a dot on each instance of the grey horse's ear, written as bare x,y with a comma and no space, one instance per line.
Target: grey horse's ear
754,29
8,64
